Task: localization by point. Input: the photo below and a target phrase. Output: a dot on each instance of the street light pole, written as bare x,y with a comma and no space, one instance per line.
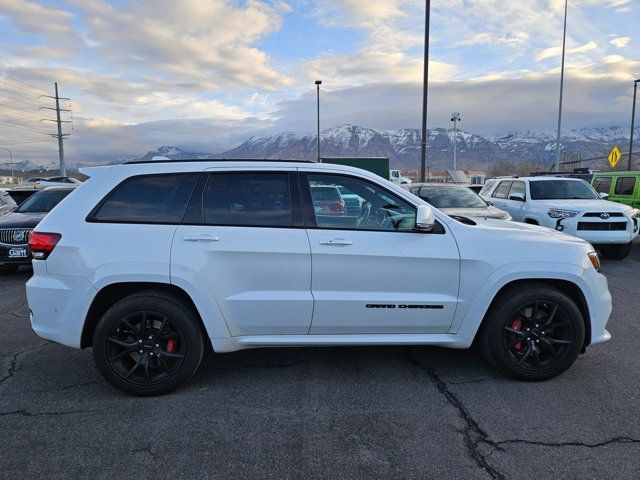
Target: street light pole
318,83
425,91
10,162
455,118
633,119
564,44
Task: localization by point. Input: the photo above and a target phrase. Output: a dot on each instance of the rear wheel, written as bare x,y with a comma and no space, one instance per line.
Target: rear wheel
148,344
616,252
533,332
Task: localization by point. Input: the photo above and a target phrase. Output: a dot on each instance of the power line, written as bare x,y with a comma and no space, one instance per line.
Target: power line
18,95
24,128
19,101
5,76
23,143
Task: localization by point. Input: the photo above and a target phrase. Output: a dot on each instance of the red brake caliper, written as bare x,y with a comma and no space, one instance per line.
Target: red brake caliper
171,346
517,325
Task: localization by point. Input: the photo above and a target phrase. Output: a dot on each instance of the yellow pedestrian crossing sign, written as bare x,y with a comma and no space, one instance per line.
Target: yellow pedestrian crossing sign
614,156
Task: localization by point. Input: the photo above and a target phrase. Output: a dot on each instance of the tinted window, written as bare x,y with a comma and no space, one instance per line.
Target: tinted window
43,202
517,188
248,199
625,186
602,184
561,190
451,197
487,187
503,190
369,207
148,199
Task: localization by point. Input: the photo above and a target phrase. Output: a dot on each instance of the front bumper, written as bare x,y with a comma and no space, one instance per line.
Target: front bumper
587,228
58,305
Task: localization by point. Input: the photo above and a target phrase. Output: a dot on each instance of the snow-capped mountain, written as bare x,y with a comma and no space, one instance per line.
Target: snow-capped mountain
403,146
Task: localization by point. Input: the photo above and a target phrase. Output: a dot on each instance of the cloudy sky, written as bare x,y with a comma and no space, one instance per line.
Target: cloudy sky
207,74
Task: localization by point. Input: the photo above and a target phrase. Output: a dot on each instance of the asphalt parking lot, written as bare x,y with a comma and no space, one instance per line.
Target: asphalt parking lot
324,413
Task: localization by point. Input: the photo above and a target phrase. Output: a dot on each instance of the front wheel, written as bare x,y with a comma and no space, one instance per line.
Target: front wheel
148,344
616,252
533,332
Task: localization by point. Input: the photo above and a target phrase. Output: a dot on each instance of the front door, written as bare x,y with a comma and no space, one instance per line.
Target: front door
247,243
371,271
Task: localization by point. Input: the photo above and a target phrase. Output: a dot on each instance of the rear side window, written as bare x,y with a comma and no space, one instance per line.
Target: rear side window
502,190
252,199
602,184
148,199
487,187
625,186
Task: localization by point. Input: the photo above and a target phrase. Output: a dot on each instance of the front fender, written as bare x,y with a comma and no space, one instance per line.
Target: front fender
467,321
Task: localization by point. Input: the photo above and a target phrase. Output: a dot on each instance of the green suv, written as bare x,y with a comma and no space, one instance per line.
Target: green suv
622,187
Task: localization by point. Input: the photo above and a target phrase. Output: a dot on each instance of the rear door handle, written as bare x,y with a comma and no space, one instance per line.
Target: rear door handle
201,238
336,241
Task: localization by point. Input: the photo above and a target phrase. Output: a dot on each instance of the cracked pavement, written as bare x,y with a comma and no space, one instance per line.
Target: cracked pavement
324,412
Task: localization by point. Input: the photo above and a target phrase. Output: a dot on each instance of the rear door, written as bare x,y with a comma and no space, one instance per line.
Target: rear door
500,194
514,205
243,237
372,273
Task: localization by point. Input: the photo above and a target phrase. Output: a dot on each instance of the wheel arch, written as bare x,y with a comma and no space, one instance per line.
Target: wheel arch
571,289
110,294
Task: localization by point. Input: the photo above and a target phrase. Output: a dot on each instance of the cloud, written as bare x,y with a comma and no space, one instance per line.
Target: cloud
35,18
557,51
620,42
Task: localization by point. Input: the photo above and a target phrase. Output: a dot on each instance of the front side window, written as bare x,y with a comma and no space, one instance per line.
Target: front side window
148,199
602,184
449,196
43,202
562,190
370,207
503,190
257,199
625,186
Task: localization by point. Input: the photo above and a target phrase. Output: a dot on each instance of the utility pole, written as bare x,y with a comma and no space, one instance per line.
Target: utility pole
633,119
318,83
564,44
60,136
10,162
425,91
455,118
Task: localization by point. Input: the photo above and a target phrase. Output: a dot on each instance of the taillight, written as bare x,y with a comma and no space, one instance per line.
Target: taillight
42,244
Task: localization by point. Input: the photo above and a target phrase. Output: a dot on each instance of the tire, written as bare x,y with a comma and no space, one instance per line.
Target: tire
150,360
552,343
616,252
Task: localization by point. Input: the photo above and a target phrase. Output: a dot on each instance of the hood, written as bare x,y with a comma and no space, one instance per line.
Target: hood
21,220
480,212
526,231
597,205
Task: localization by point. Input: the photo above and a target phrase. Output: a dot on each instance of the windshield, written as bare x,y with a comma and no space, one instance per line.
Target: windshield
451,197
42,202
562,190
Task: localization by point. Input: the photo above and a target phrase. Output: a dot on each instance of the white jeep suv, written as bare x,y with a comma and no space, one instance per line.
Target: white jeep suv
568,205
147,262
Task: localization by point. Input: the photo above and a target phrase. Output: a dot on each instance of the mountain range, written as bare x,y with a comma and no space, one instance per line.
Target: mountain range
403,146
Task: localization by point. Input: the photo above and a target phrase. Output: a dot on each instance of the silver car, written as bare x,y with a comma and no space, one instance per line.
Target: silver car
456,200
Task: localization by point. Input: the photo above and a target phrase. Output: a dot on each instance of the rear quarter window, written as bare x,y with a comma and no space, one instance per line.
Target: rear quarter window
147,199
503,189
487,187
602,184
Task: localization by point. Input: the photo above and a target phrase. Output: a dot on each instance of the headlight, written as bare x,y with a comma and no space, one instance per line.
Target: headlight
633,213
507,217
560,213
595,260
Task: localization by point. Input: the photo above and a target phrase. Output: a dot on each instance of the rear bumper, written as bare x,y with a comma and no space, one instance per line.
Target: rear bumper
599,304
58,305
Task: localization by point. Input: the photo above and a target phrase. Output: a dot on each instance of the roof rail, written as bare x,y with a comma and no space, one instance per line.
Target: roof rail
137,162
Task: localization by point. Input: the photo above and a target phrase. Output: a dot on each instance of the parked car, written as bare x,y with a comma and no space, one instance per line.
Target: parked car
622,187
7,204
475,188
147,262
16,226
567,205
36,183
456,200
327,200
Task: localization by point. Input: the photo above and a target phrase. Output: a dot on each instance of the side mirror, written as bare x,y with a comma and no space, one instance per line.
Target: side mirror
425,220
603,195
518,197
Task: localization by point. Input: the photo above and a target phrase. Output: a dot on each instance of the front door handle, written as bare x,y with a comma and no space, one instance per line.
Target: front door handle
201,238
336,241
